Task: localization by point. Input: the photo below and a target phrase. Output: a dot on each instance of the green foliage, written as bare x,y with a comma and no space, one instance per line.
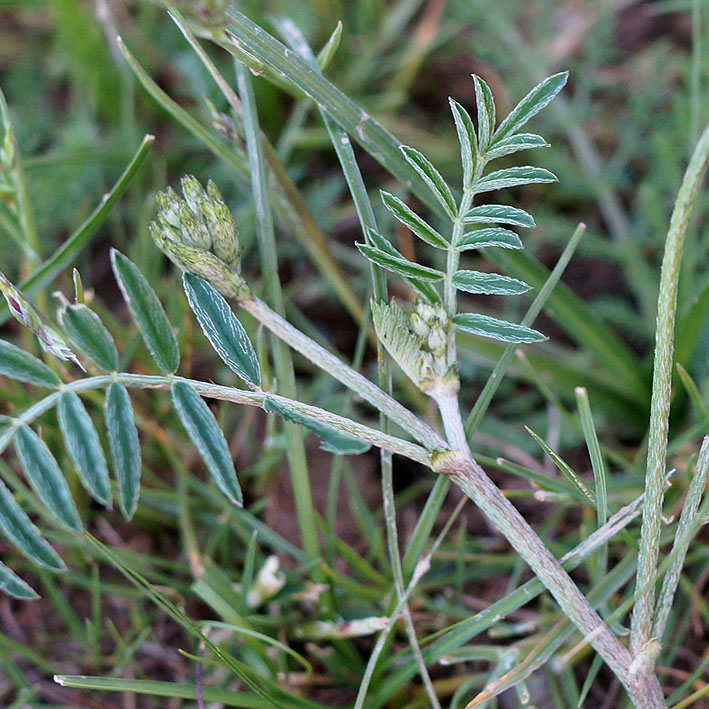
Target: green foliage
204,431
619,155
148,313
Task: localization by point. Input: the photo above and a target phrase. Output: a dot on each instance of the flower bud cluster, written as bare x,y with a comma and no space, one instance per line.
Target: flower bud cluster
431,324
198,233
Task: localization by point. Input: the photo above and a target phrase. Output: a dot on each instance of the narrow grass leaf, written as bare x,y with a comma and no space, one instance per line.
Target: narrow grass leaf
432,178
424,287
84,447
693,390
124,444
204,431
486,113
515,143
493,236
530,105
67,252
488,283
564,467
513,177
45,478
410,219
13,585
19,529
147,312
400,265
598,464
89,334
222,328
467,139
333,441
498,214
329,49
15,363
486,326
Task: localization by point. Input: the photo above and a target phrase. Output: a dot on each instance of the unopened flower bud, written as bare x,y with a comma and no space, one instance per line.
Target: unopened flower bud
202,263
437,341
221,225
193,192
418,325
426,311
193,228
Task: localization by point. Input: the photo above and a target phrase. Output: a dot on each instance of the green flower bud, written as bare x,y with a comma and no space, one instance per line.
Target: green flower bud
437,341
202,263
418,325
193,192
221,225
193,228
198,232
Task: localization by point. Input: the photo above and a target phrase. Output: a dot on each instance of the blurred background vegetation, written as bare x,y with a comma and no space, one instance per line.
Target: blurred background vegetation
621,135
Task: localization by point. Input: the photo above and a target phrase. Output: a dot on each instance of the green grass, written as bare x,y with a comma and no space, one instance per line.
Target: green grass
131,611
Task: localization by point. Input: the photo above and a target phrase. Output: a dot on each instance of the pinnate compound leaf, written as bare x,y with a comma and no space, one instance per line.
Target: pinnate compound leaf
13,585
485,326
488,283
89,334
483,238
400,265
222,328
432,178
84,447
148,313
204,431
499,214
513,177
486,113
530,105
410,219
45,478
124,445
18,364
515,143
423,287
467,139
19,529
333,441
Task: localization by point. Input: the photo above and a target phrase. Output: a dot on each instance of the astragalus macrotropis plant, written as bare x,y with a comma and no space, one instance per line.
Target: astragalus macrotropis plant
197,232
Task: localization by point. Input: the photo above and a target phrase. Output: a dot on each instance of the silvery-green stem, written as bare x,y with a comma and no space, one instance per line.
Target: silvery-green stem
641,627
342,372
464,471
214,391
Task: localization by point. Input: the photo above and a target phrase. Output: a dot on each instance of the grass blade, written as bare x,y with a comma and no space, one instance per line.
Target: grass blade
66,254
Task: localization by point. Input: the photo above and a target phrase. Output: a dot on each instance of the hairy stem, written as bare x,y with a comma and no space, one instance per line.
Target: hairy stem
214,391
473,481
342,372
